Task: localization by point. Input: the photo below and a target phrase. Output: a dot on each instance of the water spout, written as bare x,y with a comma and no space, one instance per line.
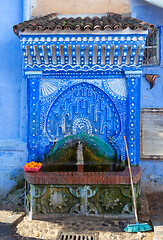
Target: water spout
80,157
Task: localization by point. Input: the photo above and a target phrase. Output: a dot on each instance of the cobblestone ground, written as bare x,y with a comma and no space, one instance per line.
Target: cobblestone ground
49,229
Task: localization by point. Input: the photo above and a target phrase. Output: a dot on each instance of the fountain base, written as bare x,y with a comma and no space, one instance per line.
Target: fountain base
85,193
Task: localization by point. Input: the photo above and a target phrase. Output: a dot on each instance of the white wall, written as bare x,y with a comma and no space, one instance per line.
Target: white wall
43,7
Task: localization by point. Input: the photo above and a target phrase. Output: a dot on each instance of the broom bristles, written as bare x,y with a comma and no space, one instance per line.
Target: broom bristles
138,227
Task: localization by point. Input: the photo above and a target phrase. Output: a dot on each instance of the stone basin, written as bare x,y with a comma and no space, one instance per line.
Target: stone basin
85,193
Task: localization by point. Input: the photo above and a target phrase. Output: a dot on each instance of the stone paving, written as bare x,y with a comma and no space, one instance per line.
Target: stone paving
49,229
7,219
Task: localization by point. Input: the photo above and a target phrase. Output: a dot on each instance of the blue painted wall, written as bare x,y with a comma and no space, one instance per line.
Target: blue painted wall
10,70
152,14
152,171
13,150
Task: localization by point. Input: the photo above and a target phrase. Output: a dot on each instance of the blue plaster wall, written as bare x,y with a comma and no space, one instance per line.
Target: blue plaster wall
13,151
152,14
10,70
152,171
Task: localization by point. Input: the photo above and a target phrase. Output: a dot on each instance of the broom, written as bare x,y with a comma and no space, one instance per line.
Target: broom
138,227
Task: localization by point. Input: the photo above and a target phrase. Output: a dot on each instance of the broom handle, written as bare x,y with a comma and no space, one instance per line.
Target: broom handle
132,185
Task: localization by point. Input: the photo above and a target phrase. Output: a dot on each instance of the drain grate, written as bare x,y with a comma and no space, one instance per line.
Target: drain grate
77,236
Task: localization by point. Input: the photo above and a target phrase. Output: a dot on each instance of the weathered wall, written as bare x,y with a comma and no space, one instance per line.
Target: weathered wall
12,150
152,170
43,7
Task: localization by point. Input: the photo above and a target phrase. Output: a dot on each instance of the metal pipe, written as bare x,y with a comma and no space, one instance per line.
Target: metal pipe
80,157
79,154
26,10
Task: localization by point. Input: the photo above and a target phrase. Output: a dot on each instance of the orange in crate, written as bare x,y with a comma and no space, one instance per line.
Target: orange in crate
32,167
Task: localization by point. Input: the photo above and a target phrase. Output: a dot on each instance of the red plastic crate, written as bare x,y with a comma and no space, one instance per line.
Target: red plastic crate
30,169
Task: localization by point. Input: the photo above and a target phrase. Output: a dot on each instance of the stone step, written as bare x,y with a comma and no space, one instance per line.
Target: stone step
158,230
